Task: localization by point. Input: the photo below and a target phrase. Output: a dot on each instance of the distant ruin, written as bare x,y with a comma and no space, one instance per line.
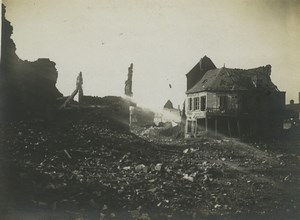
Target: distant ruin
79,90
293,109
168,115
168,105
128,82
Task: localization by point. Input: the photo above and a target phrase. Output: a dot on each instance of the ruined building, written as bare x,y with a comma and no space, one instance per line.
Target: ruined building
234,102
27,89
128,82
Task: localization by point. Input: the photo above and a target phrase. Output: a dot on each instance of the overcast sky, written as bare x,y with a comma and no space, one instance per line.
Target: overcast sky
164,39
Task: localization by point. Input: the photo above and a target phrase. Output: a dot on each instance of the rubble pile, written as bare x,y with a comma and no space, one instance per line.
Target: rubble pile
160,134
79,165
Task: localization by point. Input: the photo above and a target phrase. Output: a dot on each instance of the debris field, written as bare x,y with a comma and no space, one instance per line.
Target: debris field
92,169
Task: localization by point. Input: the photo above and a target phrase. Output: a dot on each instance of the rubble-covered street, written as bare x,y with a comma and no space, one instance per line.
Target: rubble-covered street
86,169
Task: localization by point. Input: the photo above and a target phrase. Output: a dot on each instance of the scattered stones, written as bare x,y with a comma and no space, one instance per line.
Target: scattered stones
187,177
141,168
158,167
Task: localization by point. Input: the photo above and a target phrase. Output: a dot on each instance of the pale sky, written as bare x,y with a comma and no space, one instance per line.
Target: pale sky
164,39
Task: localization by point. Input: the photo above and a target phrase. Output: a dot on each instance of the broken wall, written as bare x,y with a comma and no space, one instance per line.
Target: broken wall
27,89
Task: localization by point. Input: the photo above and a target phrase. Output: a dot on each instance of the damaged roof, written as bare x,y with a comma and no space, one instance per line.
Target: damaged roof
226,79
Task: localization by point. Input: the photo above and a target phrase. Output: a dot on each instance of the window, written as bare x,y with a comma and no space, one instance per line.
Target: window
196,103
190,104
223,102
203,103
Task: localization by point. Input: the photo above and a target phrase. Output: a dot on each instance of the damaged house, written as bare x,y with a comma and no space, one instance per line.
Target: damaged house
234,102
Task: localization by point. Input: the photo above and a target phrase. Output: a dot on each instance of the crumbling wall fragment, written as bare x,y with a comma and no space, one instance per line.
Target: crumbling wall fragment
128,82
26,88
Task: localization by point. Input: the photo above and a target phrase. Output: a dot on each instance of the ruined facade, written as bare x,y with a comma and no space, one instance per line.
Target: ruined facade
128,82
234,102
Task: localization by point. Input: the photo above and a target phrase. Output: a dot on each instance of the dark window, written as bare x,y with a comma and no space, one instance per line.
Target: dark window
196,103
190,104
203,103
223,102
